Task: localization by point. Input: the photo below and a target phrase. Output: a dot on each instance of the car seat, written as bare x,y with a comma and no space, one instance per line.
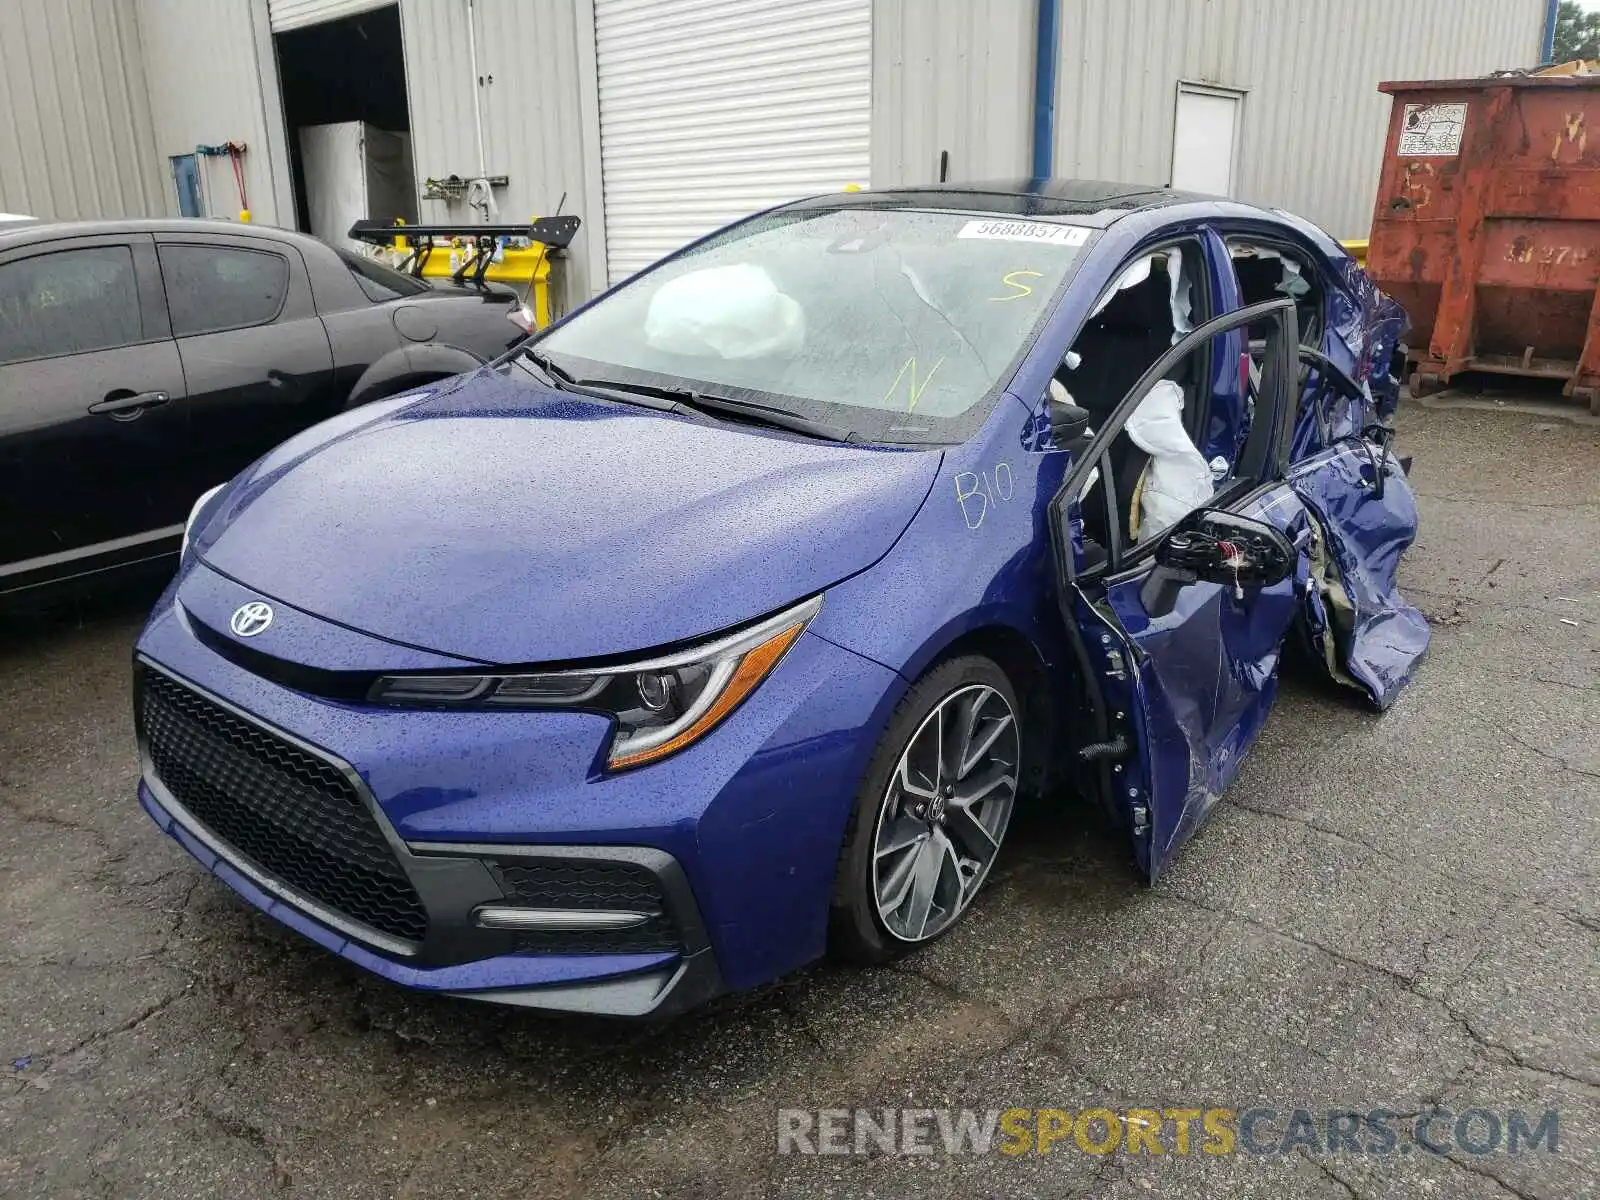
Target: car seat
1116,347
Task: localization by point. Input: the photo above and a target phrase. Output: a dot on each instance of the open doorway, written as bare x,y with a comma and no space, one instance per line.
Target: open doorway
348,122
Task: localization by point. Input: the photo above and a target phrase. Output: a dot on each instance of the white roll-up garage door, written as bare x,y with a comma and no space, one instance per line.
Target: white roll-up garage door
292,14
712,109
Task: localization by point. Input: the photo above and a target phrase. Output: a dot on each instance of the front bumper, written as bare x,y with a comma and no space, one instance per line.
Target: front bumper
736,839
449,885
656,985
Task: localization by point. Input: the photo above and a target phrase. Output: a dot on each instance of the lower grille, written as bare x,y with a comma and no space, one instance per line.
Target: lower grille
588,884
293,816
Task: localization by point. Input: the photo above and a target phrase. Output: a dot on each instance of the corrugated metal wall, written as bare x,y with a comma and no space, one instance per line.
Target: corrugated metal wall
295,14
75,129
952,75
536,62
713,109
213,79
1314,122
95,94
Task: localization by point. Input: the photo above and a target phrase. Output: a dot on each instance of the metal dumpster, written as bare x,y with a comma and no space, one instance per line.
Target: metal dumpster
1487,227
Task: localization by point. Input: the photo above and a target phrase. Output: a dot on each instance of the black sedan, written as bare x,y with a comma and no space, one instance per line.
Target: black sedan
143,362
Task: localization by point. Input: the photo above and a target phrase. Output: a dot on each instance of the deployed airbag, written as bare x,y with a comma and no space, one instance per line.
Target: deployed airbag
1178,479
724,312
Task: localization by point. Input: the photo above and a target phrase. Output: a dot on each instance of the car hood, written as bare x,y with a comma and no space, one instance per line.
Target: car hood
506,523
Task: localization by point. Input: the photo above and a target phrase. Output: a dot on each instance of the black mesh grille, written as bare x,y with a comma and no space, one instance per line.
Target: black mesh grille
295,817
580,883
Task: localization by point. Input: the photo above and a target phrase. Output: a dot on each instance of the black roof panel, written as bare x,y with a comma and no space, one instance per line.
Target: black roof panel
42,231
1092,201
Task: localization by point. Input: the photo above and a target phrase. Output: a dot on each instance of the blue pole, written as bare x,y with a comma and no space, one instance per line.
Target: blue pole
1548,54
1044,91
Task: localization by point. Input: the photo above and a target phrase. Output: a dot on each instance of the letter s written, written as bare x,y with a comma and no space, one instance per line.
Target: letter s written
1017,1137
1219,1131
1013,280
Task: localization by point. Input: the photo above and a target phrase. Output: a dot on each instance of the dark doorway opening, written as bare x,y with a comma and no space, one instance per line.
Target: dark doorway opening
335,74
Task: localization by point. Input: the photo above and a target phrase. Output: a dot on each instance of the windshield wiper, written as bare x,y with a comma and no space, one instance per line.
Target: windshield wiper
566,381
556,375
765,414
722,406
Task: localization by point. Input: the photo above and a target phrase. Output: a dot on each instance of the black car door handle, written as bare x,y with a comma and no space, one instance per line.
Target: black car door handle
117,403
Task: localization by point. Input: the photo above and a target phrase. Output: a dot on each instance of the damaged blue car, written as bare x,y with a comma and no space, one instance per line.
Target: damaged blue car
728,621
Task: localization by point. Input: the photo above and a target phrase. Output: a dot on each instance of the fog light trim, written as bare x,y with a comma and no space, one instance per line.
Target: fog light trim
502,916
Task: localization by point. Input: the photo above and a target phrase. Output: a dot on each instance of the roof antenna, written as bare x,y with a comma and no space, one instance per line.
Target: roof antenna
944,165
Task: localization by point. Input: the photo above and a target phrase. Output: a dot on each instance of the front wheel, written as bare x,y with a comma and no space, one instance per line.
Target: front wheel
932,813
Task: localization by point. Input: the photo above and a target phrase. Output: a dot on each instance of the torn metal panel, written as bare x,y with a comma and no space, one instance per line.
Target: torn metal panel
1381,323
1367,518
1365,326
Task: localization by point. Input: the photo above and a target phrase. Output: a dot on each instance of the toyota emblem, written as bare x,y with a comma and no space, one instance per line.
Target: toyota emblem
250,619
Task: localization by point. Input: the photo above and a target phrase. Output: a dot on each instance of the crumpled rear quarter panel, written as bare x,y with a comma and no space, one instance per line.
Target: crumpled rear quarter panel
1366,534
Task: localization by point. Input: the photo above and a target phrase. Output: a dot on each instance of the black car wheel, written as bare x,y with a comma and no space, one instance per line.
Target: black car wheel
931,815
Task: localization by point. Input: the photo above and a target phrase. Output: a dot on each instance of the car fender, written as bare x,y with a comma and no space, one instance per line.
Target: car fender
973,571
408,366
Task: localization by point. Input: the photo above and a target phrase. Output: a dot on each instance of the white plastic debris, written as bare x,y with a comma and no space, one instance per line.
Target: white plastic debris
1178,297
1179,300
1137,272
1178,478
724,312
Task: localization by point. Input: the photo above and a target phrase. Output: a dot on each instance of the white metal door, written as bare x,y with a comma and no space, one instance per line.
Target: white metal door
292,14
712,109
1205,139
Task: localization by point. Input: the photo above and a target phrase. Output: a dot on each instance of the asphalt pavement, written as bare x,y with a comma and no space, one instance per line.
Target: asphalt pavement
1397,912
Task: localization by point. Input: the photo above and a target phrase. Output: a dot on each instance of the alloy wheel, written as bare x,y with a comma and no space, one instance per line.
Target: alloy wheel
945,812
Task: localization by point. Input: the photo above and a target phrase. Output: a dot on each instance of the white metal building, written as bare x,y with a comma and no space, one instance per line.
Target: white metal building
655,120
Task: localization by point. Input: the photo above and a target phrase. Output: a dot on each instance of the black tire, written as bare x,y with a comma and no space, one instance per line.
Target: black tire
856,931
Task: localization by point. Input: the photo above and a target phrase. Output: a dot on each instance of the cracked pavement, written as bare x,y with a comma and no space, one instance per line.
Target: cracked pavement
1394,912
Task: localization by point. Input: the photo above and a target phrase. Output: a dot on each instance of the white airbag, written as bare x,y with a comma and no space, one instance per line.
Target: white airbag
724,312
1178,478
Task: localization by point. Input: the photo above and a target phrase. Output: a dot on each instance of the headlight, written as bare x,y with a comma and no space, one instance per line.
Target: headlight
661,705
194,512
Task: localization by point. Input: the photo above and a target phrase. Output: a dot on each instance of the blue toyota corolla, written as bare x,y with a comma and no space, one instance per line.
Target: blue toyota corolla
729,620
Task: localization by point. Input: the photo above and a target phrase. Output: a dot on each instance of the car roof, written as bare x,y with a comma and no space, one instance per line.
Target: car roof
44,231
1084,201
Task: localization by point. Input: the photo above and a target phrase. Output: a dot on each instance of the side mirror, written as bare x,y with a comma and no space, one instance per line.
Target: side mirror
1069,425
1223,547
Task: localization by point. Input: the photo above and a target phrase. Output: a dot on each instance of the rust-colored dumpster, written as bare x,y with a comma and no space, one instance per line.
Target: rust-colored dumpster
1487,227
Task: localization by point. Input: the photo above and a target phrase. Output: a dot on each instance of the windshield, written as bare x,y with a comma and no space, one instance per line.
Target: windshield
896,325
